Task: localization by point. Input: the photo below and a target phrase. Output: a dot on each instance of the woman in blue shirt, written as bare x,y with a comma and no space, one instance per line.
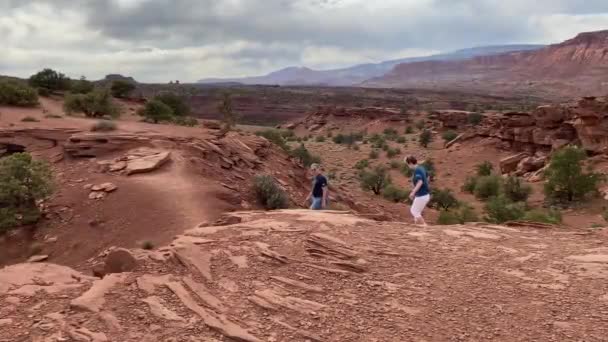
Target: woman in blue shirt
421,194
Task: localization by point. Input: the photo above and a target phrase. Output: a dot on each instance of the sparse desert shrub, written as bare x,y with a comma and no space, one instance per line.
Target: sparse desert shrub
43,92
462,215
375,180
401,140
122,88
229,117
187,121
420,124
81,86
373,154
474,119
103,126
274,137
347,139
449,135
320,138
406,171
177,103
15,93
95,104
356,148
53,116
409,130
303,155
500,210
385,147
550,216
391,134
425,138
429,166
395,164
156,111
469,184
488,187
23,181
443,199
484,169
29,119
362,164
515,190
50,80
395,194
269,193
392,152
566,181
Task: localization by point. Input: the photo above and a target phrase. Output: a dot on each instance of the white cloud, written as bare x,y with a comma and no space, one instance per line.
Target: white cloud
159,40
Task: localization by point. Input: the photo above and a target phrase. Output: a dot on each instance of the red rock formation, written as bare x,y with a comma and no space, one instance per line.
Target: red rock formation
351,117
546,127
578,63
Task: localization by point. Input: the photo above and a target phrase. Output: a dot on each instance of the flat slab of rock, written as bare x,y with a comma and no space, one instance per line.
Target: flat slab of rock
137,163
38,258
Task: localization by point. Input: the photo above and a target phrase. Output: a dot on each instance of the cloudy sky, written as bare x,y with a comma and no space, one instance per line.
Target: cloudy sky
162,40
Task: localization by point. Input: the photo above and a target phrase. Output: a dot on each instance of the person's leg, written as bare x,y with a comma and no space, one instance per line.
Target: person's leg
424,200
417,207
317,203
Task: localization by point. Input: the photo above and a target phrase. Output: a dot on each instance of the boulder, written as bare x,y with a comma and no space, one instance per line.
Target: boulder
147,163
530,164
119,260
509,164
118,166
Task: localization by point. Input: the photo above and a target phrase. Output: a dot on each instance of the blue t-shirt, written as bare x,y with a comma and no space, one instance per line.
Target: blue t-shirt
420,175
318,184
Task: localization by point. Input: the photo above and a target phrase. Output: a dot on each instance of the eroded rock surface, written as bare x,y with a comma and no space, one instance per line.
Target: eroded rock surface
325,276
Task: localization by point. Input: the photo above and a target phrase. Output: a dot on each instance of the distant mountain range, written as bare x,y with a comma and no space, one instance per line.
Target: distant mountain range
359,73
578,66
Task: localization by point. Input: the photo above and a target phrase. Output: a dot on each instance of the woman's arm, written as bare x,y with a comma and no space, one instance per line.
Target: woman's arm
416,188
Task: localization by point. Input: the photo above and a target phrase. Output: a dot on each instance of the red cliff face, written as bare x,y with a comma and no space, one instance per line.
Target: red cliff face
580,63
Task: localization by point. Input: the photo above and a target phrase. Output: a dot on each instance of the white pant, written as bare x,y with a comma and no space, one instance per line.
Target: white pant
418,205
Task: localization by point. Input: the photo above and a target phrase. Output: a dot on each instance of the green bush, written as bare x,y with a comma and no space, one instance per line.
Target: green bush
429,166
177,103
15,93
225,107
122,88
362,164
443,199
268,193
81,86
409,130
566,181
425,138
29,119
395,164
550,216
449,135
474,119
303,155
401,140
156,111
23,181
462,215
515,190
390,134
500,210
187,121
420,124
484,169
488,187
347,139
375,180
274,137
469,185
395,194
320,138
373,154
95,104
392,152
103,126
50,80
406,171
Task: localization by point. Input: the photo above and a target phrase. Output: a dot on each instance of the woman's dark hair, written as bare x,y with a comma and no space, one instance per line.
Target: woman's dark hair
411,160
